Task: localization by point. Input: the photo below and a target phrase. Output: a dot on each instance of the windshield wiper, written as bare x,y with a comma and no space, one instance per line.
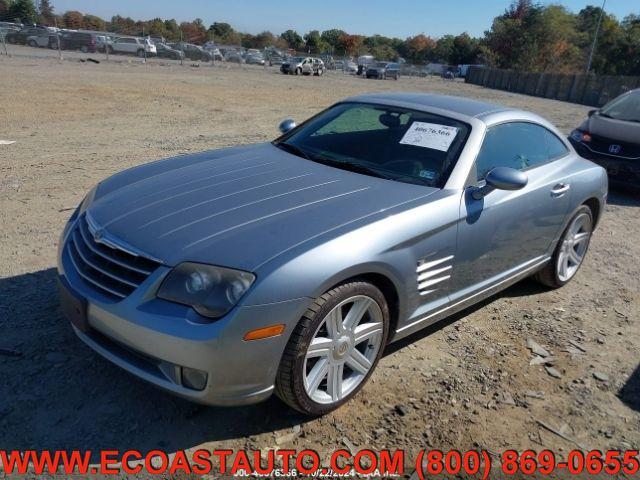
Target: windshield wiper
294,149
353,167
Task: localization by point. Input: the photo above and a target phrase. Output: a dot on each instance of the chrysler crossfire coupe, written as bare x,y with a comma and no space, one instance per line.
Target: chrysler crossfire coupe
288,266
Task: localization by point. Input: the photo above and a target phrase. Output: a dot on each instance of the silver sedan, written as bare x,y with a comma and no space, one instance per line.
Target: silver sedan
288,266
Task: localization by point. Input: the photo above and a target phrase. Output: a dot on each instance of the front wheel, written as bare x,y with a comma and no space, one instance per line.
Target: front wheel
570,251
141,53
334,348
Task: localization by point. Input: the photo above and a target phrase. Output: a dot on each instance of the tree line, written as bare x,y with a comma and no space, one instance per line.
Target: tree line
528,36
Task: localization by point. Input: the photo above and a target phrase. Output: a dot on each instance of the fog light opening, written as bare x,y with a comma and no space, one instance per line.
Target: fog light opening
194,379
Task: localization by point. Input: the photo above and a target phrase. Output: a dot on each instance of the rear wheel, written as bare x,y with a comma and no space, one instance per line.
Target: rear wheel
570,251
33,43
141,53
334,348
84,48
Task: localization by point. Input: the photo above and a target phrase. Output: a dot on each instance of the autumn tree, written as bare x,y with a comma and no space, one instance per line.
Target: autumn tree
73,19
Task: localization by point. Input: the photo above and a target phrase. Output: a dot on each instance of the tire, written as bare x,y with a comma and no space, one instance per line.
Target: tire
140,53
84,48
342,348
33,43
552,275
298,71
12,40
395,77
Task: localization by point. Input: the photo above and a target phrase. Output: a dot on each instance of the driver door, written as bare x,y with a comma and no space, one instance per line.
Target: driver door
507,232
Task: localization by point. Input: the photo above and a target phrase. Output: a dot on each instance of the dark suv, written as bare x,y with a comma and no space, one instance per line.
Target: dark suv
20,37
85,42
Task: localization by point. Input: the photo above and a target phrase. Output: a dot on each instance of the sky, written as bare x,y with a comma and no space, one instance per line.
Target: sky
394,18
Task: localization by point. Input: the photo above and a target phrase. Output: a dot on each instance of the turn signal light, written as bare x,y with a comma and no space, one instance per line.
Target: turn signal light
265,332
586,137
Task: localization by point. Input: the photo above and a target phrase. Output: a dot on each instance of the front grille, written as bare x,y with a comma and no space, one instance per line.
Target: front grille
112,272
602,144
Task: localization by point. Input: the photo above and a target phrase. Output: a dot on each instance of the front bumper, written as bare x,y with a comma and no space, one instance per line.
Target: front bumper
622,171
153,338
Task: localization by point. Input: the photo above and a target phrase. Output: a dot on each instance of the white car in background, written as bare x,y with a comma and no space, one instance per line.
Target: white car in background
134,46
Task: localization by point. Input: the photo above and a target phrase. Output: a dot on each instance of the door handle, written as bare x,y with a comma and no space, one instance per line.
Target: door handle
560,189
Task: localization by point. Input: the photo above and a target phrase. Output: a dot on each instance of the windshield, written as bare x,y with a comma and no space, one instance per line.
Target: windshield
390,142
626,107
381,64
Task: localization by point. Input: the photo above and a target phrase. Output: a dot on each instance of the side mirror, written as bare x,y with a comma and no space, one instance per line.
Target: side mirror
592,112
501,178
286,125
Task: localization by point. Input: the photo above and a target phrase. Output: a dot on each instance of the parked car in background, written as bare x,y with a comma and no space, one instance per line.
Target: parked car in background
19,37
233,56
370,221
383,70
193,52
85,42
45,40
103,42
134,46
610,136
255,59
276,59
165,51
303,66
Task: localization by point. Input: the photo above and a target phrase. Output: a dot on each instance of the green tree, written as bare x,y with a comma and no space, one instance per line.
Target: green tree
293,39
332,37
91,22
45,13
22,10
315,43
223,33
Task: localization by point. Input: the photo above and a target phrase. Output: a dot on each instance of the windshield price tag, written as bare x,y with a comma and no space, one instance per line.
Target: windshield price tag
430,135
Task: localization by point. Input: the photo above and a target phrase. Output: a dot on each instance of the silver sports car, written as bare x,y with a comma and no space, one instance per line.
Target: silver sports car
289,266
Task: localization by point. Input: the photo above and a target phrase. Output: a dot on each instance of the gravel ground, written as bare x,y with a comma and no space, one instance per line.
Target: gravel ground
464,383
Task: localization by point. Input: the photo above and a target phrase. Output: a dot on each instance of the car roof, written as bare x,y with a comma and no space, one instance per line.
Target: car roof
421,101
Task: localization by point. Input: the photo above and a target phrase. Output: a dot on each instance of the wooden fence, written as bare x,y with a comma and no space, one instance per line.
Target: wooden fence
593,90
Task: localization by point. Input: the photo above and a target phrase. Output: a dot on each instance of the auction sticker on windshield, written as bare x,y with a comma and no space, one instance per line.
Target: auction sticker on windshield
430,135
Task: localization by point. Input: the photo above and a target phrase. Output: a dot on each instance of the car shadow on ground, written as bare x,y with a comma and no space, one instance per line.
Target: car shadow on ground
56,393
630,392
623,197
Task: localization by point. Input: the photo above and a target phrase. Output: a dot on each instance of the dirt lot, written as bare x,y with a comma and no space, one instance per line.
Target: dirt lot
463,384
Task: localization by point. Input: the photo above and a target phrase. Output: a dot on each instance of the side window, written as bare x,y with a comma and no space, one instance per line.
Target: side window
555,146
516,145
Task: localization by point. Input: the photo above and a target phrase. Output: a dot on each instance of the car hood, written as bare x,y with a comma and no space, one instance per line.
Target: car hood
621,130
239,207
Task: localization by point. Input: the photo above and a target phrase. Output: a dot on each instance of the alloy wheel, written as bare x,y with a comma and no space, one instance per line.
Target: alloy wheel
574,247
343,349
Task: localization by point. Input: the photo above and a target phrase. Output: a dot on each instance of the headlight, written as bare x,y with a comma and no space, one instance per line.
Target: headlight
211,291
580,136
